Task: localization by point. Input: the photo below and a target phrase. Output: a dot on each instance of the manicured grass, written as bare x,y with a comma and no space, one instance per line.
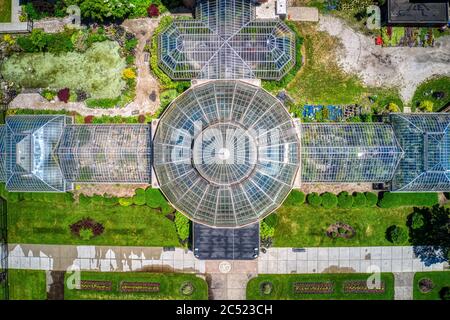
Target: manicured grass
170,284
425,90
27,285
98,71
440,280
5,10
283,287
305,226
322,81
48,223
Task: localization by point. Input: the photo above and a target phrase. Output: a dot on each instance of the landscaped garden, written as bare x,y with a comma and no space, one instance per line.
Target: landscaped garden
434,93
344,220
320,286
137,286
5,11
27,285
432,286
143,220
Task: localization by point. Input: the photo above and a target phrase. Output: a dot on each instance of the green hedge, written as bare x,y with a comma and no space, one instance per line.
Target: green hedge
295,198
395,199
359,200
329,200
314,199
371,199
183,226
345,200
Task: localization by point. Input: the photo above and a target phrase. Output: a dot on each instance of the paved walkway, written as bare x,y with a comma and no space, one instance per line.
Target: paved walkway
343,259
102,258
403,285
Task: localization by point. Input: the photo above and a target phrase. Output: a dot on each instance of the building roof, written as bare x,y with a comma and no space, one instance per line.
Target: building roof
226,244
226,42
417,12
226,153
348,152
425,140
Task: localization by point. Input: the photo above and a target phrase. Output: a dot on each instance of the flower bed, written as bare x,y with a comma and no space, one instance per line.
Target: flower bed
95,285
126,286
313,287
360,286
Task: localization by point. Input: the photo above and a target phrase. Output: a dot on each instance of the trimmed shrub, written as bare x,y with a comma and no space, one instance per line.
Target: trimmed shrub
314,199
125,202
345,200
395,200
153,11
329,200
359,200
64,95
295,198
154,198
183,226
444,293
371,199
397,235
139,198
266,231
110,201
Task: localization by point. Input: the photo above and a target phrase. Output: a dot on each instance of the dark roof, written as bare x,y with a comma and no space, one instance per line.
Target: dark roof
413,12
225,243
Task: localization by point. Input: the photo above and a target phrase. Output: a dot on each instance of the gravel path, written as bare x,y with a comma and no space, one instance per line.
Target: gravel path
401,67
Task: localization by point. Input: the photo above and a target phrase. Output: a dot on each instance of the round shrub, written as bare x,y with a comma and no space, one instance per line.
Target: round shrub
345,200
314,199
359,200
329,200
139,197
154,198
417,220
125,202
397,235
444,293
371,199
295,198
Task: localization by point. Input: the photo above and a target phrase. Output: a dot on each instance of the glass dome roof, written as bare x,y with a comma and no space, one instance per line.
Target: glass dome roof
226,153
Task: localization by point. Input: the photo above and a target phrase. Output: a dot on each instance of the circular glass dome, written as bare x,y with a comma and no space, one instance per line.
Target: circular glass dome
226,153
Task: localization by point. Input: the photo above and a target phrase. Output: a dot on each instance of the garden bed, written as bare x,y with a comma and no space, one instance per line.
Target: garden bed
320,286
140,286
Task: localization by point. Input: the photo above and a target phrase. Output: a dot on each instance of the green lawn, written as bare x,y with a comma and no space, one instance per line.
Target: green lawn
283,287
5,10
27,285
425,90
440,280
170,284
305,226
48,223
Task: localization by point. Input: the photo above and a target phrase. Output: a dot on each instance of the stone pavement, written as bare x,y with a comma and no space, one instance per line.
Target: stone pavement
102,258
227,280
403,285
343,259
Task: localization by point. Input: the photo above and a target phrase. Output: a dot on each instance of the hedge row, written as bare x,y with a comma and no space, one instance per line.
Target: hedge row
344,200
395,199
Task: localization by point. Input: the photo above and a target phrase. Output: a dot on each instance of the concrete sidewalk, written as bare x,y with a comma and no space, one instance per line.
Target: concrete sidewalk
343,259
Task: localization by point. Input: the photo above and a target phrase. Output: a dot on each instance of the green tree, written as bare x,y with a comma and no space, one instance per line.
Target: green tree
397,235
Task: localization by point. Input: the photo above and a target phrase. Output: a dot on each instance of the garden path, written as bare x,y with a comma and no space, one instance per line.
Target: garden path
401,67
403,285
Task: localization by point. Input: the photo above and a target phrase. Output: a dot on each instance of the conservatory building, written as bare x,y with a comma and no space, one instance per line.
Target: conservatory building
226,153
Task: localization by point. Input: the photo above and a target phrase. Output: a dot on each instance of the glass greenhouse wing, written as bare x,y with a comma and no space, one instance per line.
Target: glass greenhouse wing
425,139
106,153
30,161
2,153
226,153
354,152
226,42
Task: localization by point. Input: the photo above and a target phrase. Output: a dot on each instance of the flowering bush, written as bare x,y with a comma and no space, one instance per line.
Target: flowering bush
87,228
64,95
88,119
153,11
129,73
